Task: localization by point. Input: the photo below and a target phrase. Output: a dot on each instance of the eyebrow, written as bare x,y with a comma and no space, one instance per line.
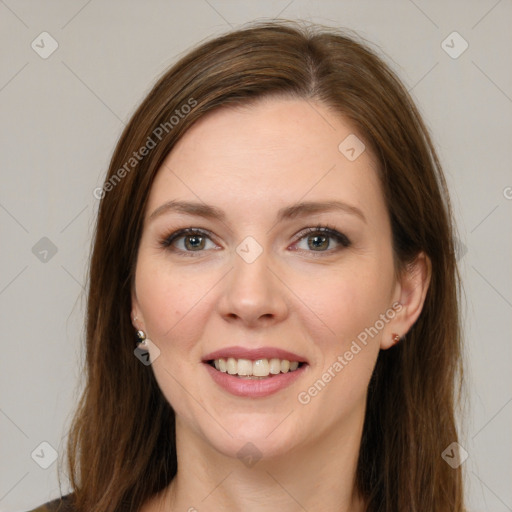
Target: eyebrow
288,212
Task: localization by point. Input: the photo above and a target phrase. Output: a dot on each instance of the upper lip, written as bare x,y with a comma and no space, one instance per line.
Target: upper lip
254,354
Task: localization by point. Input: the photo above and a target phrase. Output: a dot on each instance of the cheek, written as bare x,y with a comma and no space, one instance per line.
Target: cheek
175,305
171,299
347,301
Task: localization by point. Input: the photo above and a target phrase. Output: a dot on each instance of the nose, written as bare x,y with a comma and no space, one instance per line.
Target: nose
253,294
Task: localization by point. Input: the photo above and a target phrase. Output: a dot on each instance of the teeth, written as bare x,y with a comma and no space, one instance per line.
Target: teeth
245,367
258,368
232,366
274,366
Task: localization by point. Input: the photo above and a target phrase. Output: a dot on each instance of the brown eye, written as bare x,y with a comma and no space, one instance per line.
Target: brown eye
193,240
318,242
319,239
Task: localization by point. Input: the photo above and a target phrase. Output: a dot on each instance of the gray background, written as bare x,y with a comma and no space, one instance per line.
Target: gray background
61,117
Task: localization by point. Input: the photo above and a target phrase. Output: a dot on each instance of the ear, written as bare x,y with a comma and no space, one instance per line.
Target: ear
136,313
409,297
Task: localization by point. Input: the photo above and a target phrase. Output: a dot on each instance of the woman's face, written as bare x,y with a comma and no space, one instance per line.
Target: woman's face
259,276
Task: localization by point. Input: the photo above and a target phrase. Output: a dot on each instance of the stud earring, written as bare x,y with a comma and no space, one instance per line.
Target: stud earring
396,338
142,337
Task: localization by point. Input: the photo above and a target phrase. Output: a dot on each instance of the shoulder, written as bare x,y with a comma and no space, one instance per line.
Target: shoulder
62,504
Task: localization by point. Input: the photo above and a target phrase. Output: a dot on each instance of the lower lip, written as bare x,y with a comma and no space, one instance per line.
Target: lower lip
254,388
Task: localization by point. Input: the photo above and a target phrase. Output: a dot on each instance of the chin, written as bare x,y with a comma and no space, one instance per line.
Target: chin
263,438
251,449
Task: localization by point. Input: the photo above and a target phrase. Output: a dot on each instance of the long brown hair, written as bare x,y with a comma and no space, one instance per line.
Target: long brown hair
121,447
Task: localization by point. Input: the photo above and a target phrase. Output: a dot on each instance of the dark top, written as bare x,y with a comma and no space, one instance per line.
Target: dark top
62,504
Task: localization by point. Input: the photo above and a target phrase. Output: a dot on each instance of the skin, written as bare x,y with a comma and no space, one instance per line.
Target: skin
251,161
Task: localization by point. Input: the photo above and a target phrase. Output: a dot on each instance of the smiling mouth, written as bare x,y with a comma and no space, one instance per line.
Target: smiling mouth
255,370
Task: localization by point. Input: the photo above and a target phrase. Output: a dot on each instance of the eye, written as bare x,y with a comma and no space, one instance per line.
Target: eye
186,240
318,239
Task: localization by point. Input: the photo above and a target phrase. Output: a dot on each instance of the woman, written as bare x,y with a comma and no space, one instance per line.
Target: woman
275,233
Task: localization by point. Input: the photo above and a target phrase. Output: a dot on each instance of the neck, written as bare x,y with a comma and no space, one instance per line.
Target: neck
319,476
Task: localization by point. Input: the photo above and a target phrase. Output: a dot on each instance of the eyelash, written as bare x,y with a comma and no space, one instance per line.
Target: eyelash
326,230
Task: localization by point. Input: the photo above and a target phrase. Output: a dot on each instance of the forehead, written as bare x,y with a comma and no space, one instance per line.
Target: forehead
267,155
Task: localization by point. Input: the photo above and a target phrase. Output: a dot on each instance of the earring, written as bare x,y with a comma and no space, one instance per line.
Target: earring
142,337
396,338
